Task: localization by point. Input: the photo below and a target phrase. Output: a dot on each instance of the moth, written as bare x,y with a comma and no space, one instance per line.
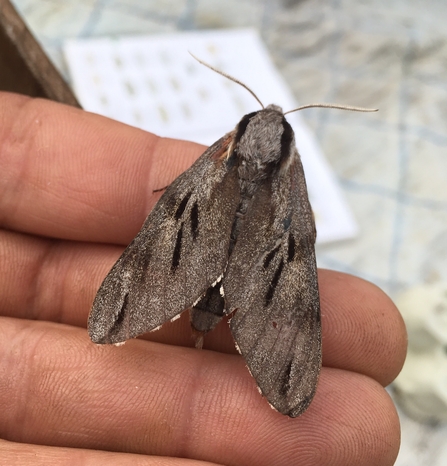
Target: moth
233,235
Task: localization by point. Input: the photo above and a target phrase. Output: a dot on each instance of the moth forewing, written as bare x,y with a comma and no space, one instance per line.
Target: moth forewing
271,281
179,252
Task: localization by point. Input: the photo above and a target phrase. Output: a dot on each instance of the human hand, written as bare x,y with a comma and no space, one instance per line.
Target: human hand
74,190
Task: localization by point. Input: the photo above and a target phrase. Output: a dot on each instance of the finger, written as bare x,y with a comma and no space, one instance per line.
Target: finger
40,455
363,331
58,388
57,281
72,174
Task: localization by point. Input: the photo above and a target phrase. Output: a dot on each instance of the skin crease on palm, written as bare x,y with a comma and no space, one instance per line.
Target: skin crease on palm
74,189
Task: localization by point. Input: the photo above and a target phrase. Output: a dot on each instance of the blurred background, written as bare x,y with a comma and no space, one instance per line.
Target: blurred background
391,166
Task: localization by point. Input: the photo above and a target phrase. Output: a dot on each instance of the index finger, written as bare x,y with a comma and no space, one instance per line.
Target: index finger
71,174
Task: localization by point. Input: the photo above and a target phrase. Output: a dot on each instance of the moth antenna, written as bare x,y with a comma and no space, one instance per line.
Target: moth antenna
230,78
339,107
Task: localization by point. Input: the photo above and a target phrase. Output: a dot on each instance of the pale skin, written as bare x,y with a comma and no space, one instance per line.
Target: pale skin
74,189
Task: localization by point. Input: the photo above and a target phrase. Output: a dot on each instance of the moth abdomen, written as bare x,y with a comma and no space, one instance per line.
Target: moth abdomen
208,311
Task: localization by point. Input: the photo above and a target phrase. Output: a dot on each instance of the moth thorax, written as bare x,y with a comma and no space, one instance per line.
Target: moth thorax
262,146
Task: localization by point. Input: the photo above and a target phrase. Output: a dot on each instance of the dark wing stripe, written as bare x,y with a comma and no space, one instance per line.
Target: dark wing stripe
285,380
178,246
286,140
195,220
242,126
182,206
291,249
269,257
118,320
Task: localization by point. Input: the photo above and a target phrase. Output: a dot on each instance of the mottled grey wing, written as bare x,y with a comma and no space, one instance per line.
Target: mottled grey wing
179,252
271,282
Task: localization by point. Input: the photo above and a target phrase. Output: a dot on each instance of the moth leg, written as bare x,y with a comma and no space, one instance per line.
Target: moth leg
159,190
207,312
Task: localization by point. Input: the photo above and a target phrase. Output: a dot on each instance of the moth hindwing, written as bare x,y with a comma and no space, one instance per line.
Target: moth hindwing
234,233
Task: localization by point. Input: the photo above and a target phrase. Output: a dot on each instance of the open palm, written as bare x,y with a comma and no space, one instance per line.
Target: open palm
74,189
